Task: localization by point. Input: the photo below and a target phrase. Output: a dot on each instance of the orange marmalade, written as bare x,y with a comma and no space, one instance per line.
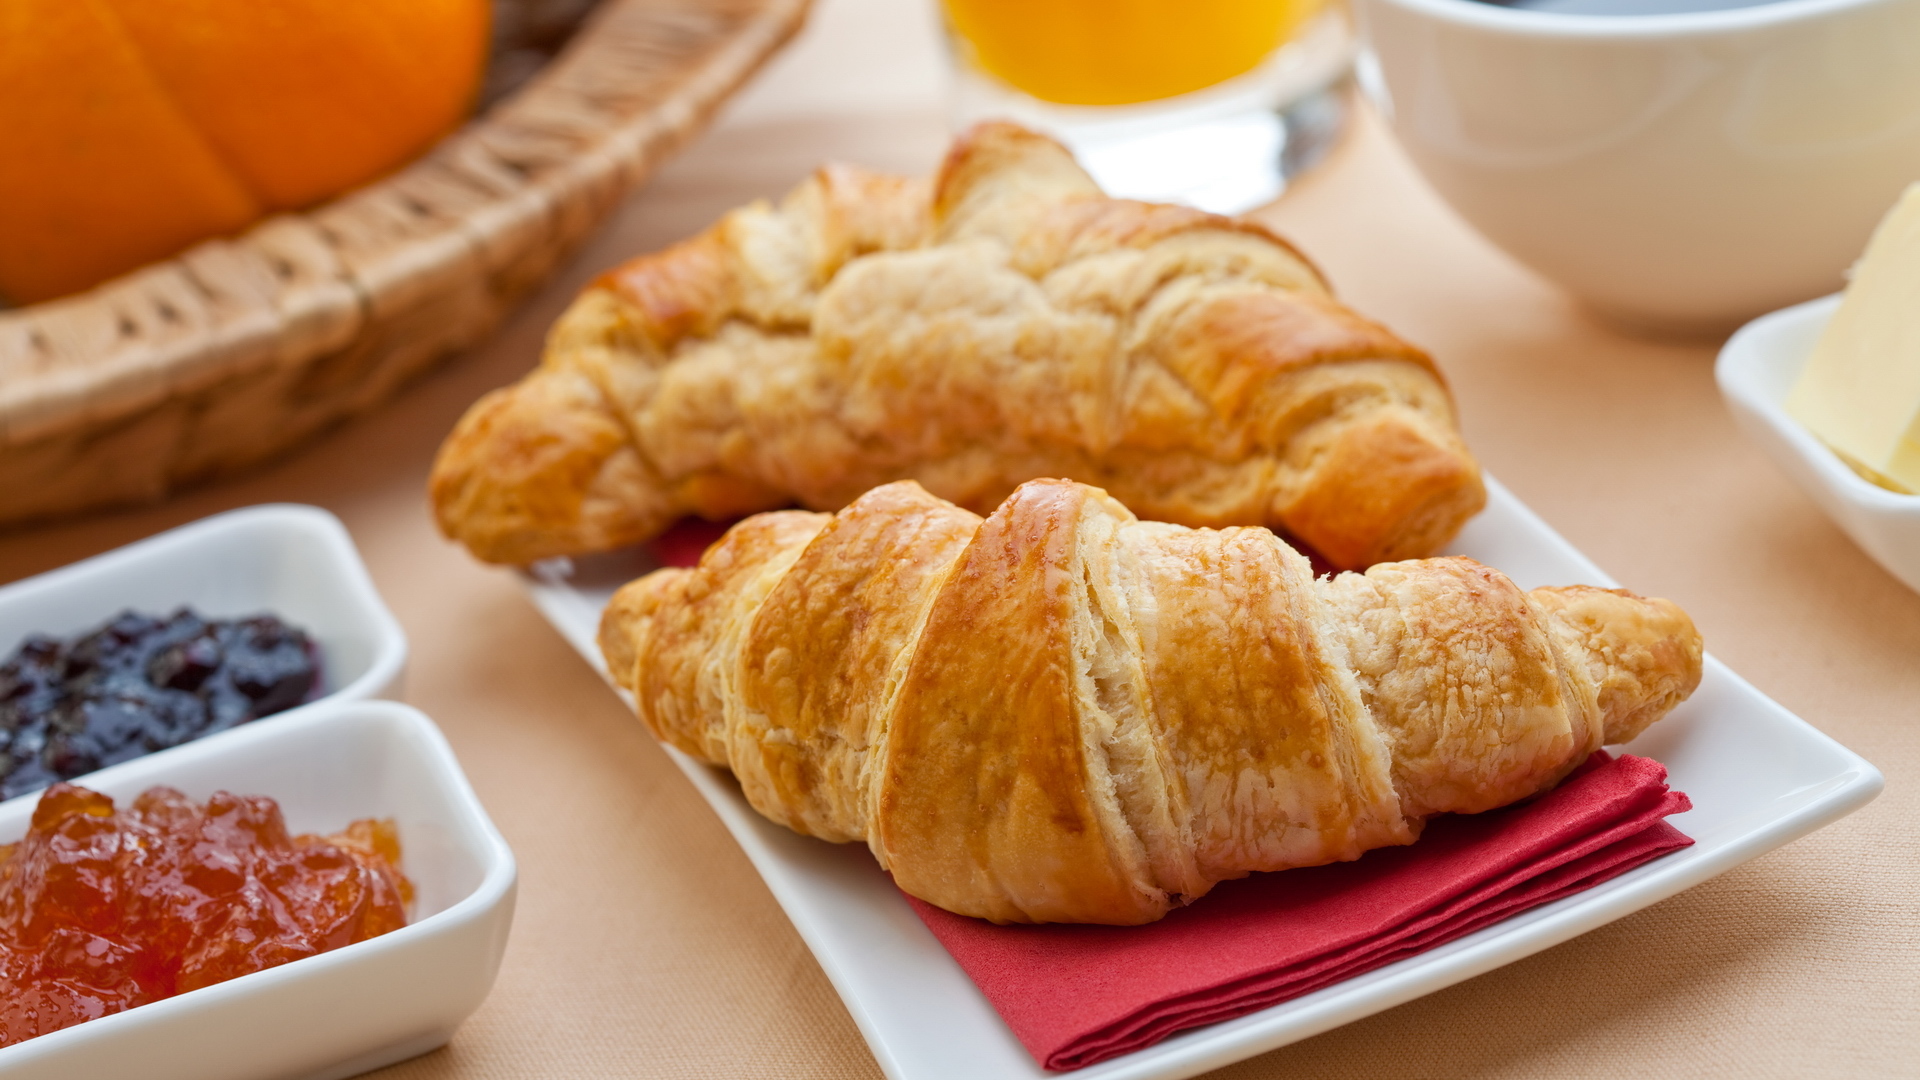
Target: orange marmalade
103,909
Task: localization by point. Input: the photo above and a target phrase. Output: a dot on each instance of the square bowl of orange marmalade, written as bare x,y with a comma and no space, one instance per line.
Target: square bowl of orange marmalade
342,903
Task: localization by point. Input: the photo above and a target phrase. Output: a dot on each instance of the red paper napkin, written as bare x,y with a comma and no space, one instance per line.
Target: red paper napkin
686,540
1076,995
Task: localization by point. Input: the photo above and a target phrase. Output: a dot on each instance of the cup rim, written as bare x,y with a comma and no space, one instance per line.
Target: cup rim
1496,17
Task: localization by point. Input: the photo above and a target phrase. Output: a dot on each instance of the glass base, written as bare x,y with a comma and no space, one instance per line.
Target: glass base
1225,149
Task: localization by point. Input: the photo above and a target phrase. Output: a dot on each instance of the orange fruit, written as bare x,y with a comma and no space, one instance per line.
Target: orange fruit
130,129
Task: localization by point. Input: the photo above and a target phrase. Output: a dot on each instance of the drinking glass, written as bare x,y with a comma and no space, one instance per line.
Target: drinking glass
1213,103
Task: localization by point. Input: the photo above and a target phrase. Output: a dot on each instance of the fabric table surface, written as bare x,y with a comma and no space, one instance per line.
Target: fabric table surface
646,946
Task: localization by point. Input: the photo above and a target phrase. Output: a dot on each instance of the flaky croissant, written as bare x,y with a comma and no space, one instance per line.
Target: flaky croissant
1065,714
1005,321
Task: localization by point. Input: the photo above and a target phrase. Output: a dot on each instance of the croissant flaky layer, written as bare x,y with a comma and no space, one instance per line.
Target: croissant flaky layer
1002,322
1065,714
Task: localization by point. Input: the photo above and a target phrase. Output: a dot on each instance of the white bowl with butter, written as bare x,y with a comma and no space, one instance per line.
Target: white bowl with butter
1757,370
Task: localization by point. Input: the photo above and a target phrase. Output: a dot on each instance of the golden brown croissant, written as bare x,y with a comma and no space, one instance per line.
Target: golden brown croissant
1004,322
1065,714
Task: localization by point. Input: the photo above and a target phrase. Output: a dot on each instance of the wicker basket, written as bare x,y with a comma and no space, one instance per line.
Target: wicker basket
239,349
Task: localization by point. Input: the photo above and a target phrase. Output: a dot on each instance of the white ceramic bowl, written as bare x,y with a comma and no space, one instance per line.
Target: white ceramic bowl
1756,370
1675,171
342,1012
296,562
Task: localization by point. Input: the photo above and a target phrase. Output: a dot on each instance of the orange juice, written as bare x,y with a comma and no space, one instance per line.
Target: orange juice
1118,52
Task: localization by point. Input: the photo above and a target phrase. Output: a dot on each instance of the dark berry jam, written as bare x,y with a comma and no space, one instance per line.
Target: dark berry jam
142,683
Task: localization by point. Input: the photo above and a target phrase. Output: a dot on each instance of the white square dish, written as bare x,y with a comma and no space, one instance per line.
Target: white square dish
1759,777
1756,370
296,562
339,1013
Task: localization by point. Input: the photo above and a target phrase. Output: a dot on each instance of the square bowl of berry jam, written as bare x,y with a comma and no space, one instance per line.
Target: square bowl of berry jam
315,897
190,633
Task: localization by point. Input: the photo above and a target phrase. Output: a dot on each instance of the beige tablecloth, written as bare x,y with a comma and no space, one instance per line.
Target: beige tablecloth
646,945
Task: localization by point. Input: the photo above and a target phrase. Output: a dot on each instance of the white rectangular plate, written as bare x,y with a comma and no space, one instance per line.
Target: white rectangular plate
1758,775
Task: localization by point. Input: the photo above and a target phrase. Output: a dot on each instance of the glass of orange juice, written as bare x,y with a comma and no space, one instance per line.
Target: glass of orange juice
1215,103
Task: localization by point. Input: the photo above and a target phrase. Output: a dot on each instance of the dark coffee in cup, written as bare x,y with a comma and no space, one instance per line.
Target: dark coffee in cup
1625,7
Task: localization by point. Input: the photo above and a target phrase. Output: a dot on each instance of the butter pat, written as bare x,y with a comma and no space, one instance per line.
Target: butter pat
1860,392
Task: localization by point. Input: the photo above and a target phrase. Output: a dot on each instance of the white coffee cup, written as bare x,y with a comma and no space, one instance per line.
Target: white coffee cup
1676,172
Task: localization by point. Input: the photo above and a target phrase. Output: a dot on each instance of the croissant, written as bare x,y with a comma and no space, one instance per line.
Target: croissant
1003,322
1065,714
